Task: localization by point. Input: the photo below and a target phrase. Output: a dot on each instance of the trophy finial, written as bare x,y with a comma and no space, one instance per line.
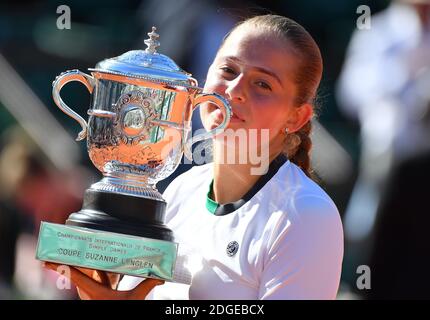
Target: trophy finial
152,42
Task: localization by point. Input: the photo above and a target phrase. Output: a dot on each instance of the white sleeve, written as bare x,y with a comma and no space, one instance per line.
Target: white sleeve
304,256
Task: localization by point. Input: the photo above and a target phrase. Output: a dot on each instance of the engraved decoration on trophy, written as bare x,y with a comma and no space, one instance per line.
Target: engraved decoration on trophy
135,115
137,131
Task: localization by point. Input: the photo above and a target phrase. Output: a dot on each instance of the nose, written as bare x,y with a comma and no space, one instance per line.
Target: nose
236,90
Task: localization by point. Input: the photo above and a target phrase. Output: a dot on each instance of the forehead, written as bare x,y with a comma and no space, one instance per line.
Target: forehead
257,47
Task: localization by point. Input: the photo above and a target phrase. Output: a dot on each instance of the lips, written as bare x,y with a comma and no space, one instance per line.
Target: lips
235,116
218,116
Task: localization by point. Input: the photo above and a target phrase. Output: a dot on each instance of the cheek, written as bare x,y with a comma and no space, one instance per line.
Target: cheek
270,116
265,121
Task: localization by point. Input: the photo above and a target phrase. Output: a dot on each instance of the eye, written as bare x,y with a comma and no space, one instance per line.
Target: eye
227,70
264,85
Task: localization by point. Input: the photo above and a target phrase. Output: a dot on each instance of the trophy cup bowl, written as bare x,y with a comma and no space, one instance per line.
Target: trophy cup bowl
137,131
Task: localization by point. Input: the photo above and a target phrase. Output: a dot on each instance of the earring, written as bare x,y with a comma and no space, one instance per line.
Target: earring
286,130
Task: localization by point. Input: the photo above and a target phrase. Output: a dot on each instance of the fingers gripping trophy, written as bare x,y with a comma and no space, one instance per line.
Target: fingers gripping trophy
137,131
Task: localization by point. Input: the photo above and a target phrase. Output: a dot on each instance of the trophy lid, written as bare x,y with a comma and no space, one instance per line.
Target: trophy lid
145,64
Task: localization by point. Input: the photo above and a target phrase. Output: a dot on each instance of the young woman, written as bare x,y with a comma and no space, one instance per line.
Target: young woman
271,235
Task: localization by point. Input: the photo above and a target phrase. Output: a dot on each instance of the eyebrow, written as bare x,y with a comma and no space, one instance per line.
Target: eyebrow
259,69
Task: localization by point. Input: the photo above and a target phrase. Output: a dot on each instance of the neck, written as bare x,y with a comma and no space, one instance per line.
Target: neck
233,181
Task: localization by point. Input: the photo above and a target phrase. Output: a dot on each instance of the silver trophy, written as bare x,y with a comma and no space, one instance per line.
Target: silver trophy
137,131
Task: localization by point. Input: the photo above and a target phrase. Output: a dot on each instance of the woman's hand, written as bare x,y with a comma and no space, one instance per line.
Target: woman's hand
99,285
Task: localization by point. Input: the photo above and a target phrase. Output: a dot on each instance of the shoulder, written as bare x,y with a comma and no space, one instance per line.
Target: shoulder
307,220
315,218
291,187
303,211
305,246
189,180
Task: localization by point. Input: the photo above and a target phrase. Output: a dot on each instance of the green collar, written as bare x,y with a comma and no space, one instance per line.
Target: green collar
211,205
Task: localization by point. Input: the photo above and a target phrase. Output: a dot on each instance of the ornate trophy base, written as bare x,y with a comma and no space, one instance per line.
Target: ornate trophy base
113,232
124,214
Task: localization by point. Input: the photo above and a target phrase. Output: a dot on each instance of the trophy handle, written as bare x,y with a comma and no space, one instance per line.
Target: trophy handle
57,85
223,104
